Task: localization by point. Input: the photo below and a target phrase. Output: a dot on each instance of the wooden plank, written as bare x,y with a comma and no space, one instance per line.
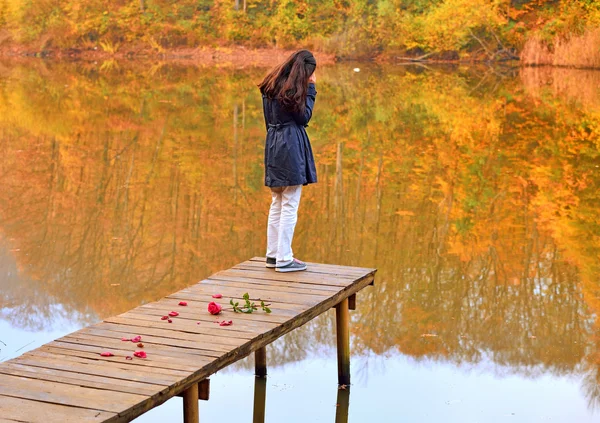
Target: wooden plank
288,277
157,361
82,367
197,310
354,271
241,323
162,353
271,283
219,336
182,327
295,300
70,378
288,308
311,269
264,292
256,322
202,342
23,410
334,267
159,336
59,393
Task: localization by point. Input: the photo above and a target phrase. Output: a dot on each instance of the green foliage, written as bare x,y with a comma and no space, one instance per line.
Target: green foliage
249,306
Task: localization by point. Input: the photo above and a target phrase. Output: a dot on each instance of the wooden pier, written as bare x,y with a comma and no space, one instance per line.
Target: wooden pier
67,380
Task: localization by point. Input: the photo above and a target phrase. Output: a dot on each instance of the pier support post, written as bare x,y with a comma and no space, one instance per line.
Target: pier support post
190,405
342,327
260,362
352,302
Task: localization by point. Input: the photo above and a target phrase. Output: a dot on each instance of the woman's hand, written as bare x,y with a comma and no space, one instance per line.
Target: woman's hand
313,78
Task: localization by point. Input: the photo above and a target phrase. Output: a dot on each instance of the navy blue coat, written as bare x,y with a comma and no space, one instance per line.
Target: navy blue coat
288,155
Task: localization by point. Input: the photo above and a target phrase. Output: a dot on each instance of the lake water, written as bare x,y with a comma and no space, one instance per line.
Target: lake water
474,191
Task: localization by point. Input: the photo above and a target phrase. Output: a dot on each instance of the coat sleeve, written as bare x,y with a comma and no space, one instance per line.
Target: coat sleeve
304,118
264,99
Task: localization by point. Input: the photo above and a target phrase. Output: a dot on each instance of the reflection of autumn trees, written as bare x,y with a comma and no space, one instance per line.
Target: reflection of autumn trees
475,196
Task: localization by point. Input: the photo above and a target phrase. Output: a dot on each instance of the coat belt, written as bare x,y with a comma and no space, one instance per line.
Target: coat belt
281,125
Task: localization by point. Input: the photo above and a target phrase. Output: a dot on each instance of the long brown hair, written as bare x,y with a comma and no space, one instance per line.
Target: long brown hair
288,82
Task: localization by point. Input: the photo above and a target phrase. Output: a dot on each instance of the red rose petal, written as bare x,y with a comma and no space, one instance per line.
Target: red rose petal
173,314
182,303
170,321
107,354
129,357
140,354
164,318
136,339
217,296
226,323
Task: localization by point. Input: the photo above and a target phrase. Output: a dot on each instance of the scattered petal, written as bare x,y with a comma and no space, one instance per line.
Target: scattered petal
170,321
129,357
226,323
140,345
173,314
136,339
217,296
182,303
197,323
164,318
140,354
107,354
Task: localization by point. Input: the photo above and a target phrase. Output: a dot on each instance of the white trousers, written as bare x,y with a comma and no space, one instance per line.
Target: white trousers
283,216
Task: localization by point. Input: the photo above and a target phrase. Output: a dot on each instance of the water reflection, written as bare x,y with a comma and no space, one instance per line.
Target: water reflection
475,193
260,399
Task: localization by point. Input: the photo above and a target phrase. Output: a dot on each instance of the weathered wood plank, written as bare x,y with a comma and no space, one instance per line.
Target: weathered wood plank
71,378
181,327
329,267
81,366
59,393
289,277
273,284
23,410
241,323
288,308
162,353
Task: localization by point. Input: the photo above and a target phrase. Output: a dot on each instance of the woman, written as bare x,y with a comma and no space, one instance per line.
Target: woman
288,93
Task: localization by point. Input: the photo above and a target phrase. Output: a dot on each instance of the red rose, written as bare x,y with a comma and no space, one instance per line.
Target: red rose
214,308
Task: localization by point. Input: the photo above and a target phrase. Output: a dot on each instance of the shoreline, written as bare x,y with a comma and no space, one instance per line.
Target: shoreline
240,57
236,56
